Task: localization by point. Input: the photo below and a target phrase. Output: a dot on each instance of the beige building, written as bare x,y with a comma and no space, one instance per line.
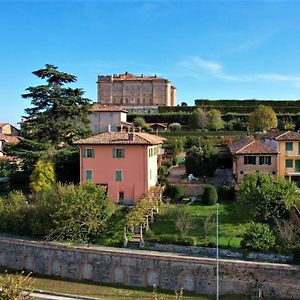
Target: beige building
249,156
107,118
128,90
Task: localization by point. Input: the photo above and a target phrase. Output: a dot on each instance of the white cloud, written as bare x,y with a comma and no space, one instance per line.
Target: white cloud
198,67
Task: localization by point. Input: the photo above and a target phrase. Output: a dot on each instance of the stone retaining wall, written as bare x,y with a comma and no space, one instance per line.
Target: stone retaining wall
145,268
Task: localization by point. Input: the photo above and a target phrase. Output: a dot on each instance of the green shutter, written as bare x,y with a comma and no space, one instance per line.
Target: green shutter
88,174
118,175
123,153
113,152
84,153
288,163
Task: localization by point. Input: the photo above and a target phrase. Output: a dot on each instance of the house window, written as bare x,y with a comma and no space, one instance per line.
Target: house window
118,153
288,146
88,153
88,174
249,160
121,196
289,163
150,174
265,160
118,175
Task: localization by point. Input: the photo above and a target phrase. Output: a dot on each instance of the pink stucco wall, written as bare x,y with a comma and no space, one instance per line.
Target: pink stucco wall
135,168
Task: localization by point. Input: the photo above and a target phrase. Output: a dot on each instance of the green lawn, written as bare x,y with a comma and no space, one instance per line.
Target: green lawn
231,224
107,291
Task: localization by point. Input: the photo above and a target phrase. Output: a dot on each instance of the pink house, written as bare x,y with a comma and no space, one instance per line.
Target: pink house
126,163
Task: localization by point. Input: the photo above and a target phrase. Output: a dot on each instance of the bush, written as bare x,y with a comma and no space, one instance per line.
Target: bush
139,122
175,161
210,195
174,192
226,193
175,127
167,163
258,237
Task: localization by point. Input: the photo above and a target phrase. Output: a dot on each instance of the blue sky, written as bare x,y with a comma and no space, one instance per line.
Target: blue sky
208,49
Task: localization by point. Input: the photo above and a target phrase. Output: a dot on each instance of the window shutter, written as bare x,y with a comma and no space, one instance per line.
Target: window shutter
84,153
92,153
113,152
123,153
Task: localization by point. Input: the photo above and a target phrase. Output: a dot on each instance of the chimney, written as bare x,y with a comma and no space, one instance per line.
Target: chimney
140,129
121,128
109,128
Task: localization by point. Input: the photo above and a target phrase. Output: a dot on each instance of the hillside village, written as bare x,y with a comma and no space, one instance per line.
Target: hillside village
135,171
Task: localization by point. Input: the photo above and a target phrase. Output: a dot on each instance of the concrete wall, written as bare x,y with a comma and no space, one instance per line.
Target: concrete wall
145,268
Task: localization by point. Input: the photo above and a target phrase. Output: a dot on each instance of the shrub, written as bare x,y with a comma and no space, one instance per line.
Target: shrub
210,195
174,192
258,237
175,161
183,222
226,192
175,127
167,163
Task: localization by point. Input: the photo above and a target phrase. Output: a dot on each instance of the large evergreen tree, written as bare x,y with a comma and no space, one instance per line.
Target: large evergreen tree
58,114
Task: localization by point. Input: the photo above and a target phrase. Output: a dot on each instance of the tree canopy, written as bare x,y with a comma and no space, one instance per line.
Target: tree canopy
58,113
215,121
198,119
263,118
201,161
267,198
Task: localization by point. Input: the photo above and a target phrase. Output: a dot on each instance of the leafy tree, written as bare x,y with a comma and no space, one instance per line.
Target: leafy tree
266,197
263,118
81,212
58,114
215,121
193,141
198,119
210,195
258,237
7,168
175,145
175,127
184,104
42,177
201,161
139,122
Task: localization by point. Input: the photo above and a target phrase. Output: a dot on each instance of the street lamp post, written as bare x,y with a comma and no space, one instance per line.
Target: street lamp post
217,296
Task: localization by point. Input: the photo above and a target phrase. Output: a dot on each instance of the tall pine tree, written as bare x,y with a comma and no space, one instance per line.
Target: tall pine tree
58,114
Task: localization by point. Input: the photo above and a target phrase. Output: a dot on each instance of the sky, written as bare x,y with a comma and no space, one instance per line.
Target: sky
207,49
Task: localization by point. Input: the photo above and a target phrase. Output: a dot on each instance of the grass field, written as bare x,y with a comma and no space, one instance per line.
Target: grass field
231,224
109,291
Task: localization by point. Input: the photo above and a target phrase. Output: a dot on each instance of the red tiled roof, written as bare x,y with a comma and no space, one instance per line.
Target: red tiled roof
249,145
240,143
273,134
107,108
164,125
108,138
2,124
289,136
9,138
